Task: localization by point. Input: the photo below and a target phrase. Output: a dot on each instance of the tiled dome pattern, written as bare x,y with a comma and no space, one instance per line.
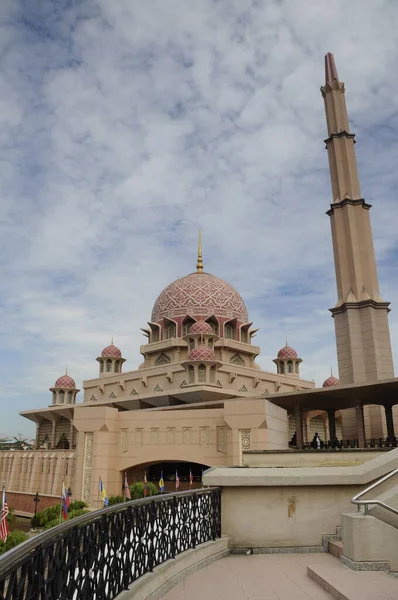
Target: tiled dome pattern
111,352
65,382
201,353
287,352
201,327
199,294
330,382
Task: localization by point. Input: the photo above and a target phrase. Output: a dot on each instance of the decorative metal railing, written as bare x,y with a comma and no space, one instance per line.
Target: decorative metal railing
98,555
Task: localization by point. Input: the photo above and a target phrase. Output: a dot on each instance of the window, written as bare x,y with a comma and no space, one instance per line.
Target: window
163,359
108,365
290,366
243,336
282,368
229,332
202,373
170,331
296,367
69,397
237,360
212,374
116,366
54,397
191,343
214,324
101,366
186,326
191,375
61,396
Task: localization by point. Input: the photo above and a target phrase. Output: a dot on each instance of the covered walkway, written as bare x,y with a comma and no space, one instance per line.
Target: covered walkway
356,396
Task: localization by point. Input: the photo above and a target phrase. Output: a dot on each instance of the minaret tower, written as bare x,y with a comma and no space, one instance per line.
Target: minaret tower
360,315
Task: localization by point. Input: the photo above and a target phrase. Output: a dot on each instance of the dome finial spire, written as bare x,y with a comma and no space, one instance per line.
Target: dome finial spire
199,263
66,370
112,341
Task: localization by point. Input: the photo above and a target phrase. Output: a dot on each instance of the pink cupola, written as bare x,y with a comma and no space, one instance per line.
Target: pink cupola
110,361
64,390
287,361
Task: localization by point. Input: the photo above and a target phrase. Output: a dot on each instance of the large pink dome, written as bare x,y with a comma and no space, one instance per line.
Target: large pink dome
65,382
199,294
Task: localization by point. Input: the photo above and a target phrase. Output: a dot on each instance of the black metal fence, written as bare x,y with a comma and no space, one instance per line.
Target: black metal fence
98,555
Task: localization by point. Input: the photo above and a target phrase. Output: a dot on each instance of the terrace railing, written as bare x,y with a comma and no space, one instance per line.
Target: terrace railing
100,554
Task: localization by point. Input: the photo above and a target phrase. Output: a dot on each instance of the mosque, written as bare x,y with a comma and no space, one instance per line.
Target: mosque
199,399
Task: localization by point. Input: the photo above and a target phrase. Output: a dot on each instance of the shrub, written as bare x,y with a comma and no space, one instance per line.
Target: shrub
137,490
76,505
115,500
14,538
11,516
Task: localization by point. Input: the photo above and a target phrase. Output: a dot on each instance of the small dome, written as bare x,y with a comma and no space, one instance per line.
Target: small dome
111,352
330,382
201,327
201,353
65,382
287,352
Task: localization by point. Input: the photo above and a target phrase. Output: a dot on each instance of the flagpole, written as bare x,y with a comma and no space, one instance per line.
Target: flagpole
60,508
98,491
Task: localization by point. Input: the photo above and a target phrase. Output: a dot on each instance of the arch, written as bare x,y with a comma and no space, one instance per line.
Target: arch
108,365
213,321
69,398
201,373
101,366
290,366
187,324
170,329
117,363
296,366
212,374
191,374
168,465
163,359
229,331
282,368
61,396
236,359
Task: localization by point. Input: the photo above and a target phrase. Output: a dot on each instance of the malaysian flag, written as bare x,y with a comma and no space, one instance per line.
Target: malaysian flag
3,516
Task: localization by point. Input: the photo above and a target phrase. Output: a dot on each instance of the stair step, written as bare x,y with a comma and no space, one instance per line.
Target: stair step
343,584
336,548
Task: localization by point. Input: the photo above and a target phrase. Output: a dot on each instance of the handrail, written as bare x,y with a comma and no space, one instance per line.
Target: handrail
356,499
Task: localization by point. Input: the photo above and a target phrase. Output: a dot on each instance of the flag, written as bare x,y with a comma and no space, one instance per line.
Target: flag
126,488
3,517
103,493
65,501
146,490
190,479
177,481
161,482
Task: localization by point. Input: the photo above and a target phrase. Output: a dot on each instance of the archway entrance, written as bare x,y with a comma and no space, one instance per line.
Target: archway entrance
169,469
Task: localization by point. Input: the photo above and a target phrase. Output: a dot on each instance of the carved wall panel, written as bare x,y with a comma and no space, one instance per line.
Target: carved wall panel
88,464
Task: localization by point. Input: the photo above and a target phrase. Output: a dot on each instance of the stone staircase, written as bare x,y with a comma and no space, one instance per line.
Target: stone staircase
345,580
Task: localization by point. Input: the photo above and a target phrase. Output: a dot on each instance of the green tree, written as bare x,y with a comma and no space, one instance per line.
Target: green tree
137,490
13,539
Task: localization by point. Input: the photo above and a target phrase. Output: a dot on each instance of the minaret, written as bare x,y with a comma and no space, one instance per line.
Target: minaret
360,315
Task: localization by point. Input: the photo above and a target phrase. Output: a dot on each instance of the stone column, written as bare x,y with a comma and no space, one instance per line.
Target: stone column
332,425
389,422
360,426
299,427
53,432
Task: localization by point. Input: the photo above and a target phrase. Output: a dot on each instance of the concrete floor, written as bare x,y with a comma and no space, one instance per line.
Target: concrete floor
256,577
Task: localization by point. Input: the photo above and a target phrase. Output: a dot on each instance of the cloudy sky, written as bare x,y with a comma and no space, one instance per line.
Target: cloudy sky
127,125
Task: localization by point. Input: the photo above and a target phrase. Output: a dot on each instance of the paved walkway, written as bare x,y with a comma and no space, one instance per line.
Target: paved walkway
256,577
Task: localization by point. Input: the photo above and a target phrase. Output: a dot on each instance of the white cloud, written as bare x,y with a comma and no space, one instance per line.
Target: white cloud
126,125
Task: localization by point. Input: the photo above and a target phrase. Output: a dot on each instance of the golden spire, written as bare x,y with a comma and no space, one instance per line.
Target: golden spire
199,263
